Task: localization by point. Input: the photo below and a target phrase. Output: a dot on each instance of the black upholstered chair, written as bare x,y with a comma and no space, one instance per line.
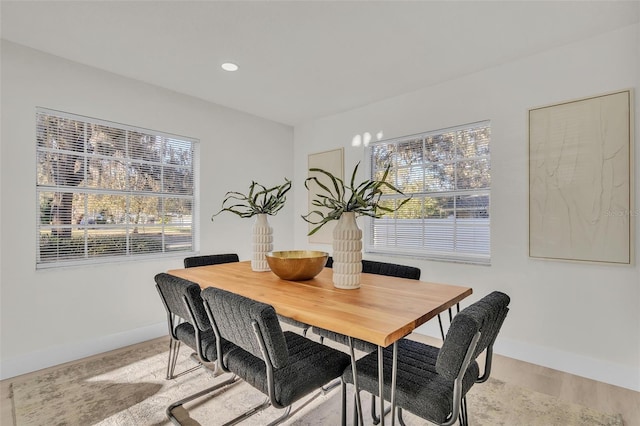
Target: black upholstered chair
390,269
215,259
305,327
189,324
283,365
187,321
370,267
432,382
210,259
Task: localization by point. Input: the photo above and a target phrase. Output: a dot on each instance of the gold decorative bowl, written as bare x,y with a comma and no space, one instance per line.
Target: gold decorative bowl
297,265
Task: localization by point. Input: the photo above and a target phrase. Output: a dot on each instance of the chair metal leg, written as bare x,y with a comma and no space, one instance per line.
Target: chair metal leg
374,412
197,395
464,414
400,419
249,413
174,346
283,417
174,350
267,402
328,388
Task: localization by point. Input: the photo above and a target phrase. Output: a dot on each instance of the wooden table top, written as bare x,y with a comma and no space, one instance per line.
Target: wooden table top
383,310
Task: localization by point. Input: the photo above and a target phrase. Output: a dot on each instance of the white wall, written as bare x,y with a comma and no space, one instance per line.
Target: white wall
580,318
53,316
577,317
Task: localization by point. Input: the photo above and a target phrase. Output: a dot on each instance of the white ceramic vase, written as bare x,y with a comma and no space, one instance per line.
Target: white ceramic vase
347,252
262,243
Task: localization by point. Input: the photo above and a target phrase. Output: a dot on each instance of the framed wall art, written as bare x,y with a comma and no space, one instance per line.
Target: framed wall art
580,180
333,162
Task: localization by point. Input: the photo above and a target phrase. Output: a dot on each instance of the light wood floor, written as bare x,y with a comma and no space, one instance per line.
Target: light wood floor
599,396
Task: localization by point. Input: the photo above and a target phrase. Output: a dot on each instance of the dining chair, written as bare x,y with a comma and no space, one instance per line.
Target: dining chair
186,320
432,382
283,365
210,259
370,267
305,327
215,259
189,324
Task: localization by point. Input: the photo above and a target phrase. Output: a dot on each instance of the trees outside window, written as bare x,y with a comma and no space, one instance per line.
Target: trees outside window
108,190
447,175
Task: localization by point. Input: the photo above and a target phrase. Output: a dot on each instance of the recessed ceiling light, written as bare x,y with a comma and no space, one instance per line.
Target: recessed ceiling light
229,66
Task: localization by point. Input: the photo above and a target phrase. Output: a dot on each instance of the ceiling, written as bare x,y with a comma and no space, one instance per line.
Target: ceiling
301,60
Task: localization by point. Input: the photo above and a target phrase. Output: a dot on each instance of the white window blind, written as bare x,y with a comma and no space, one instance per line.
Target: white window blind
447,174
107,191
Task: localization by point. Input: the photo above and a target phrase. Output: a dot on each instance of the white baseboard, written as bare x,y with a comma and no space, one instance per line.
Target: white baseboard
580,365
60,354
568,362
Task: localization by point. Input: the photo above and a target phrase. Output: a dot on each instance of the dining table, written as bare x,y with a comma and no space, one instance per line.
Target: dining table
381,311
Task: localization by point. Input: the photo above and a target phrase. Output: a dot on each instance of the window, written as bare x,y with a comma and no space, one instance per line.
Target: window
108,191
447,174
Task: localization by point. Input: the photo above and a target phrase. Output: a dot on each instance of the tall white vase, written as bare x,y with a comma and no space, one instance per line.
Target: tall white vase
262,243
347,252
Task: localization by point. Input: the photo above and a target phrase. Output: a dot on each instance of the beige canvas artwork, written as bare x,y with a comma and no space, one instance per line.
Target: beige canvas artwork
332,162
580,194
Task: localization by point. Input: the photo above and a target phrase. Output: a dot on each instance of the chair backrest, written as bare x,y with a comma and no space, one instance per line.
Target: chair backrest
390,269
210,259
233,317
384,268
485,316
173,290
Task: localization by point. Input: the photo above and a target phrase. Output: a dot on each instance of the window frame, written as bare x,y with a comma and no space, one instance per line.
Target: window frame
191,196
422,252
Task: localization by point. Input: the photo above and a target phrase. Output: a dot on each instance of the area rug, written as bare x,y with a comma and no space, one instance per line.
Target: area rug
128,387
